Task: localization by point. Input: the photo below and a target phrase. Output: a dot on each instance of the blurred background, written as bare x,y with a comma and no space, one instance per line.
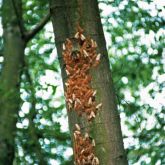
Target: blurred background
135,37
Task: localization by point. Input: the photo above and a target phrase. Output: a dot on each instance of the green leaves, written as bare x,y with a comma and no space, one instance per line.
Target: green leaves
136,58
135,37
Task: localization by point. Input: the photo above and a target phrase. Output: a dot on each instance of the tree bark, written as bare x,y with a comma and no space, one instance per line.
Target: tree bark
15,40
105,129
10,79
14,45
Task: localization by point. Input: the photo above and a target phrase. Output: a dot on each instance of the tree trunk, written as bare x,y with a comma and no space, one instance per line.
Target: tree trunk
105,128
15,40
10,80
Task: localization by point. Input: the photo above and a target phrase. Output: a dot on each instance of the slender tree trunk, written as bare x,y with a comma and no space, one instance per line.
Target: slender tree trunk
15,40
10,79
34,137
105,129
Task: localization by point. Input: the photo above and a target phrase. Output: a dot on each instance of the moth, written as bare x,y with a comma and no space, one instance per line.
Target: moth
75,53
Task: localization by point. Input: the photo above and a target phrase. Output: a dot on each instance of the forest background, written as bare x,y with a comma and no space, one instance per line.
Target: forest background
135,37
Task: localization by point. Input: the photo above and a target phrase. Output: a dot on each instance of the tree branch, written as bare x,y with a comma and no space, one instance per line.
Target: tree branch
19,20
30,34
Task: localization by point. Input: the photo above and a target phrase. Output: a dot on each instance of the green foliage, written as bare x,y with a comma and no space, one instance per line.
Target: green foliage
44,113
135,38
135,31
39,117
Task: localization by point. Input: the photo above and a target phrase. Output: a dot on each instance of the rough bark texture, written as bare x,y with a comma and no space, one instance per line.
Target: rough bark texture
105,129
10,79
